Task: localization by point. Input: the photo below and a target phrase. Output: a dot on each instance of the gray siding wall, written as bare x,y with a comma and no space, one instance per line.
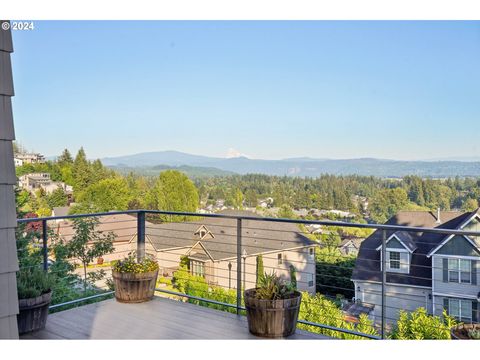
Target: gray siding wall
397,298
455,289
8,251
439,306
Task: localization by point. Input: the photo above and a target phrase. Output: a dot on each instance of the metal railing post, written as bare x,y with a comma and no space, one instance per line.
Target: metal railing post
140,235
239,265
45,246
384,279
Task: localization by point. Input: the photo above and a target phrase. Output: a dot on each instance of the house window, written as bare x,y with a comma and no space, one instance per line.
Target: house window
459,271
198,268
310,280
394,260
279,259
311,253
460,309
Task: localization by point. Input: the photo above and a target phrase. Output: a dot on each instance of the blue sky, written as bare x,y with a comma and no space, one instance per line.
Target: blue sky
326,89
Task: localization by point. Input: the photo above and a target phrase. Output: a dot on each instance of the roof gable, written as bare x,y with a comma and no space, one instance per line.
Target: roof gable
199,248
470,223
400,240
203,233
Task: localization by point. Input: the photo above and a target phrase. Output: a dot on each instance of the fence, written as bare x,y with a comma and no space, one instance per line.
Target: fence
223,251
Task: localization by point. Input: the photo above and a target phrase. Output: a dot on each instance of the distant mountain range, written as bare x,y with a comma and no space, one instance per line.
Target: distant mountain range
192,171
293,167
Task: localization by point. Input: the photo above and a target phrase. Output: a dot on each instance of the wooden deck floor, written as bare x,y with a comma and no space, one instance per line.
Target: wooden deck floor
160,318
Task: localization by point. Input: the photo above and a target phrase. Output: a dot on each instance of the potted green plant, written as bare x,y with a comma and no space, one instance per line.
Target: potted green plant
273,306
466,332
134,280
34,287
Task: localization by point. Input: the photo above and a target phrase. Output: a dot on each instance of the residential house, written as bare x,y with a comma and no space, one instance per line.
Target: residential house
210,244
434,271
266,203
35,181
31,158
350,246
211,247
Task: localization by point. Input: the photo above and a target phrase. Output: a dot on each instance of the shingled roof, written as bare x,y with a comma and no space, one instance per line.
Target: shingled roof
257,236
367,266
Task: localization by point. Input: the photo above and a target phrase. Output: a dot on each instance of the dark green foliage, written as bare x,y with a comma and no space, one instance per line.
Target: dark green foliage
57,198
65,158
334,272
172,191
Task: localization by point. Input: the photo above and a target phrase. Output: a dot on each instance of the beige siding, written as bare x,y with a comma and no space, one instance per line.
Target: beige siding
298,257
169,259
8,253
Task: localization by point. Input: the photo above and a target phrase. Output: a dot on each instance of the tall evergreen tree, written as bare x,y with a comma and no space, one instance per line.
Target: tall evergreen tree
82,175
65,158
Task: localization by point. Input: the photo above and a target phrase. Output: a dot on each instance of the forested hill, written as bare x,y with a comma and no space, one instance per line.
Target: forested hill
302,166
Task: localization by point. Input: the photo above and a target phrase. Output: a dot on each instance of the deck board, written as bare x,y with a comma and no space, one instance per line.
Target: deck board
160,318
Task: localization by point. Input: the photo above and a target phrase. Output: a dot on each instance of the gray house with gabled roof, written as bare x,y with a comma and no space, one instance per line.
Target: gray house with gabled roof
433,271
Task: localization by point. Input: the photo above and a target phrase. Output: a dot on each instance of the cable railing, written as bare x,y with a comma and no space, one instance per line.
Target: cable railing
237,243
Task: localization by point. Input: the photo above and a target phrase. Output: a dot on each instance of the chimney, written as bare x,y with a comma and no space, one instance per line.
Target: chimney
439,221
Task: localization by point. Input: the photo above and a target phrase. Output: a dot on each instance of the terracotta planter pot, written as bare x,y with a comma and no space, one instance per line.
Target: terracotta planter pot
460,332
272,318
100,261
33,313
134,288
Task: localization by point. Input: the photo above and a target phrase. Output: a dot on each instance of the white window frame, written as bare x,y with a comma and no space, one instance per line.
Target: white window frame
460,316
198,268
311,253
394,261
310,281
402,270
458,271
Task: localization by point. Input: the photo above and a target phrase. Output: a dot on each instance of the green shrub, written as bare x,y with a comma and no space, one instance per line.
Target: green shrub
164,280
33,282
317,308
418,325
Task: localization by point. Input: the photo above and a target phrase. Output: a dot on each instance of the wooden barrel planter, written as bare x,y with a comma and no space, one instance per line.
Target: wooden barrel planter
272,318
460,332
134,288
33,313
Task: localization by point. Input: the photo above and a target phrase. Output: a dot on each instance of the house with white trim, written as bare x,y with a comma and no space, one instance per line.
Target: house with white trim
434,271
210,245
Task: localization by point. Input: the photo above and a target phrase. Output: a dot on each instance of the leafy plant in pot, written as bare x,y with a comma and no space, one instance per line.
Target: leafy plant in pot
273,306
134,281
466,332
34,284
34,287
